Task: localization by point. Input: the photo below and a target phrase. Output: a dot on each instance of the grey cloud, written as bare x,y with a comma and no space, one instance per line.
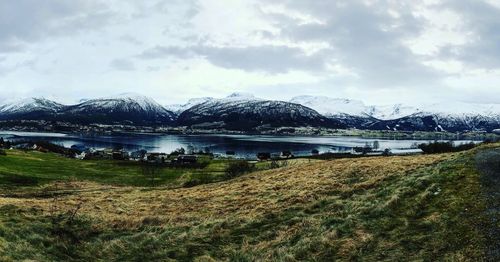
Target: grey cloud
130,39
273,59
165,51
365,39
122,65
267,58
26,21
483,21
6,68
11,47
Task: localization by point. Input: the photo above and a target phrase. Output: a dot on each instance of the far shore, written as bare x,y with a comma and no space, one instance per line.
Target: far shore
96,129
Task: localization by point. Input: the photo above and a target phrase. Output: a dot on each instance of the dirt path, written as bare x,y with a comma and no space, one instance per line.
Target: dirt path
488,164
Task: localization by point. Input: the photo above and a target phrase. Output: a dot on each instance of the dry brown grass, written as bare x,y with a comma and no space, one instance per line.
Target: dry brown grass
247,197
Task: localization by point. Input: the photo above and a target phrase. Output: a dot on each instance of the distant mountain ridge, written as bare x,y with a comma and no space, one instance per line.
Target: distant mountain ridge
244,111
179,108
29,108
452,116
132,108
122,109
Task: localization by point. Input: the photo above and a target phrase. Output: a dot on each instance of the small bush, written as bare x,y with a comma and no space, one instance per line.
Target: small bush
2,152
277,164
238,168
18,180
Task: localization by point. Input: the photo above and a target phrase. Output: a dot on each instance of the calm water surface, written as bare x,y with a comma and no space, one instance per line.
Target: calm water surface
246,146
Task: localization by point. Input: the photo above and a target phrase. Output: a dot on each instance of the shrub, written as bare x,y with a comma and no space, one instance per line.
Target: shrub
238,168
444,147
262,156
2,152
464,147
387,152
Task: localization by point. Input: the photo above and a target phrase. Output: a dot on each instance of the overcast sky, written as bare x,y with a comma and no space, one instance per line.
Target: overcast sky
381,52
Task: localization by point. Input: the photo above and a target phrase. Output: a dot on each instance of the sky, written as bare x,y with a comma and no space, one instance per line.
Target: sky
380,52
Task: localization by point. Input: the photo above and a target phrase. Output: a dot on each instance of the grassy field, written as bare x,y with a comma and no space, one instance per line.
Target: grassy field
424,208
20,168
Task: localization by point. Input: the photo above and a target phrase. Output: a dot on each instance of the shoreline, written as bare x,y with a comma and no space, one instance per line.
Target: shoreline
309,132
299,132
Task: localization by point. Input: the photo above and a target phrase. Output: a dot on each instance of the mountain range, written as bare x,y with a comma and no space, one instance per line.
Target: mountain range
240,111
123,109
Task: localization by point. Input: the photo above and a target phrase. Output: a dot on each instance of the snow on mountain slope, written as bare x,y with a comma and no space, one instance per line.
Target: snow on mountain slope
337,106
243,111
128,107
389,112
239,96
179,108
449,116
340,107
331,107
126,102
29,105
460,108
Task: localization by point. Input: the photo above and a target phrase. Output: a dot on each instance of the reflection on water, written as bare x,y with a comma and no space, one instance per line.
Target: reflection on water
244,145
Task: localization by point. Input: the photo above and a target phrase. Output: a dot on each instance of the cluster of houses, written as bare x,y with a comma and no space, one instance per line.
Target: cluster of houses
139,155
181,157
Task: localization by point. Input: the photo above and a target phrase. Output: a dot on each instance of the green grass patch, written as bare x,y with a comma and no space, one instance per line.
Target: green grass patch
19,168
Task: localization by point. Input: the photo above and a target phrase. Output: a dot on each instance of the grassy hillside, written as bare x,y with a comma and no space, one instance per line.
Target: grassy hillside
429,207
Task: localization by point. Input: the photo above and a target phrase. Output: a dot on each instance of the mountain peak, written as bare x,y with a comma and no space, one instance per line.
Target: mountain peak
241,96
331,106
128,96
27,104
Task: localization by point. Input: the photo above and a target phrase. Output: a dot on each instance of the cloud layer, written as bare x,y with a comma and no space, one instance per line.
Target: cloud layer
381,51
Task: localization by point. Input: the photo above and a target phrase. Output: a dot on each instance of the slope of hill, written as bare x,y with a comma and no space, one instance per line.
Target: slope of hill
428,207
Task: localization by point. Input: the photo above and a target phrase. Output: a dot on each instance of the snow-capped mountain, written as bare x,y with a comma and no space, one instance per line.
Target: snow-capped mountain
390,112
332,107
124,108
452,116
240,96
340,107
179,108
351,113
245,112
30,108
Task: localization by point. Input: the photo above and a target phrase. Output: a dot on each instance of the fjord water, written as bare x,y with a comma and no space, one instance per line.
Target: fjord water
245,146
